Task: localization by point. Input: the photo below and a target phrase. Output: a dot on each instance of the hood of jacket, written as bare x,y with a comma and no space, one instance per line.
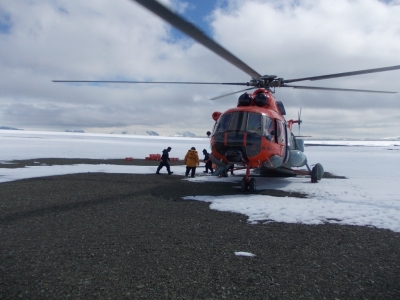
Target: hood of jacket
191,158
192,153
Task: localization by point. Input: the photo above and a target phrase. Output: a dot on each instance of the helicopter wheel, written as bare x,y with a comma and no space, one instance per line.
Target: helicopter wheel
243,185
252,185
317,173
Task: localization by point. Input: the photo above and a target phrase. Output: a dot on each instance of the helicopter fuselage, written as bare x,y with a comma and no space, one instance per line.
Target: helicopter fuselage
256,134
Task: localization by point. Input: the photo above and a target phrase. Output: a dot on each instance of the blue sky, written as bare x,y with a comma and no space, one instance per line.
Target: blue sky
198,12
5,22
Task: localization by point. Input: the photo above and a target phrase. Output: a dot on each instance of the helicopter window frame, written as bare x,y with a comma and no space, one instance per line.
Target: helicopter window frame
238,121
289,137
254,123
269,128
245,121
223,122
280,132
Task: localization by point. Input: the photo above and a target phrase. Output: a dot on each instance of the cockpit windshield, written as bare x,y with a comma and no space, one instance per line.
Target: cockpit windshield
244,121
223,123
254,123
238,121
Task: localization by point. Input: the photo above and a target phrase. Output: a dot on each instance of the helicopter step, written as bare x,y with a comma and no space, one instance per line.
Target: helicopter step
247,184
222,168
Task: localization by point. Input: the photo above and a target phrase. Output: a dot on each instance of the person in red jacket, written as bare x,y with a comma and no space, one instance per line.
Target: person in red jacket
191,161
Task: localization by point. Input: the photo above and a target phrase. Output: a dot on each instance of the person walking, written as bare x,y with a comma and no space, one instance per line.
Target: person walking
208,162
191,161
164,161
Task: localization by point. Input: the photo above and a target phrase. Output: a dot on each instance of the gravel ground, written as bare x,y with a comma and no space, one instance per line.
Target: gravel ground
121,236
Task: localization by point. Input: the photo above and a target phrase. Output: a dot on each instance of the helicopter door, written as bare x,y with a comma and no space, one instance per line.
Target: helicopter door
282,138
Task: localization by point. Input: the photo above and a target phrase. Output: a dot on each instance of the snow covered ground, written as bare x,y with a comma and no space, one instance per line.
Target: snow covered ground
370,194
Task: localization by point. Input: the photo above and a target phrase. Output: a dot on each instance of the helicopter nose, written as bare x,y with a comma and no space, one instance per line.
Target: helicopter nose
234,155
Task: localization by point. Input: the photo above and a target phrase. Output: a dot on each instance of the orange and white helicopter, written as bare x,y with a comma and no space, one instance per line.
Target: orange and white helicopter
254,134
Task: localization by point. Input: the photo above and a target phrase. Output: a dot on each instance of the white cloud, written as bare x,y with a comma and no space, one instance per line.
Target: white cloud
100,40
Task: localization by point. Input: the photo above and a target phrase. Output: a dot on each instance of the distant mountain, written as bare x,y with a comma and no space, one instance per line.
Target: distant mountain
149,132
9,128
185,134
78,131
154,133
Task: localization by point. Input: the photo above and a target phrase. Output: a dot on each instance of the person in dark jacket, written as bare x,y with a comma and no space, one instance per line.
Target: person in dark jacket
164,161
208,162
191,161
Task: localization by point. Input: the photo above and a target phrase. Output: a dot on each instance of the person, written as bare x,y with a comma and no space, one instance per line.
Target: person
164,161
208,162
191,161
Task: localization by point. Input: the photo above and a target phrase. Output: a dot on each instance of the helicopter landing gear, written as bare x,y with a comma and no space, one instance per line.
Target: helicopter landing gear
252,185
243,185
316,173
248,184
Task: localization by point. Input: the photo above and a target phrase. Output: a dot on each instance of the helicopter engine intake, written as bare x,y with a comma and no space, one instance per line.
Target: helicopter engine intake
261,99
244,100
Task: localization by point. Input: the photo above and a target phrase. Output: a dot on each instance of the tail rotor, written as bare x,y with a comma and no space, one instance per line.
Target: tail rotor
299,121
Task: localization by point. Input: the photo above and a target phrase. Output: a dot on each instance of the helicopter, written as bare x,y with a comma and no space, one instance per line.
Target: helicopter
254,134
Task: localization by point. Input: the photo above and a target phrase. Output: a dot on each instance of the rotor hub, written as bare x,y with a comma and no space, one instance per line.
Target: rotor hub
266,81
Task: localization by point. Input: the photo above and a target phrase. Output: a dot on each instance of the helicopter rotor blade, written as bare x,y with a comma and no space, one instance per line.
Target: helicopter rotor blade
335,89
368,71
163,82
195,33
159,82
225,95
257,81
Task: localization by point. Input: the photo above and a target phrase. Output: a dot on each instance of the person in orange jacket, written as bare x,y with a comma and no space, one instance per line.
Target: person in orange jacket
191,161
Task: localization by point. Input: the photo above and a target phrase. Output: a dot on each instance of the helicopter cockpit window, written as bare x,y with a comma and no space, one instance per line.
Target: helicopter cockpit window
254,123
241,121
223,123
269,128
238,122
